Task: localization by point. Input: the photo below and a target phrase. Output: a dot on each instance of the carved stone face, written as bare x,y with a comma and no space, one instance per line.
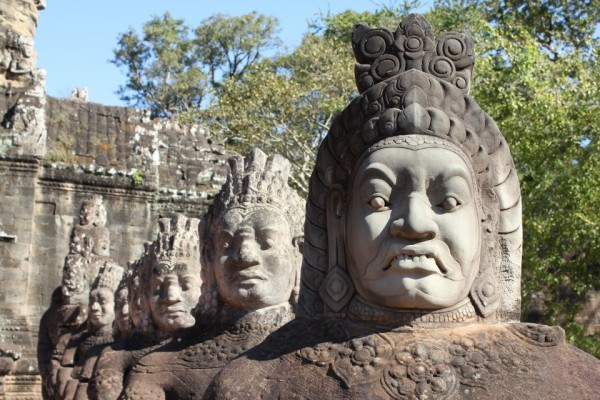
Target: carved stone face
101,308
87,213
92,213
137,304
122,318
102,242
175,289
413,234
254,258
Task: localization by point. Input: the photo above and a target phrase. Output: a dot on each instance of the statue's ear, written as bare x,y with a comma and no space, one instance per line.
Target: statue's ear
334,210
335,201
298,242
337,288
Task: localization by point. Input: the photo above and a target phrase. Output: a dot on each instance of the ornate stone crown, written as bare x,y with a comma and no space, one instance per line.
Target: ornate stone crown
381,54
177,238
260,180
109,277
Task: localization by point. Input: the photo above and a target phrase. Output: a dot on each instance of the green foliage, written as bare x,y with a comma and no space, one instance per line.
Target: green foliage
286,105
138,177
170,72
229,45
339,26
548,107
162,74
558,25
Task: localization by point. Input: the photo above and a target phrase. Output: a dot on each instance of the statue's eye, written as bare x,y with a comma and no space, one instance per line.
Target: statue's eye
378,203
450,203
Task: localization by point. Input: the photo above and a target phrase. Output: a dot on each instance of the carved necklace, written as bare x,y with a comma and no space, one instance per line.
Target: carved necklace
359,309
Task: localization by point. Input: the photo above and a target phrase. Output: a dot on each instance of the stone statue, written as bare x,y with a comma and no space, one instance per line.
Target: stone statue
83,347
163,289
88,250
88,253
410,278
250,275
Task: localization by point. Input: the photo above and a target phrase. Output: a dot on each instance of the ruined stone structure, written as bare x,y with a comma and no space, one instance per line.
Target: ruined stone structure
410,278
55,153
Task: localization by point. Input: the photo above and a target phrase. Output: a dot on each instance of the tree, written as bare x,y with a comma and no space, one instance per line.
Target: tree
286,105
162,74
557,25
547,104
230,45
170,72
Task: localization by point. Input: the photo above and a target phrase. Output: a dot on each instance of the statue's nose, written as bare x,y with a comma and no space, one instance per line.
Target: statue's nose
414,220
172,291
247,254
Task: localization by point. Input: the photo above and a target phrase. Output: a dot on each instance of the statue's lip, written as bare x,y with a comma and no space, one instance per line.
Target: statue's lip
416,262
401,257
174,310
254,272
419,250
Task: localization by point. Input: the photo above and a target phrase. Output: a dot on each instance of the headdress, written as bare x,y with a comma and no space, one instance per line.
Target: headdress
96,203
109,277
177,239
258,180
404,90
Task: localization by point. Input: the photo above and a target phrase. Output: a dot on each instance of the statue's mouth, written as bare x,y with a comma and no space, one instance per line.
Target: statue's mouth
249,274
173,310
413,262
426,258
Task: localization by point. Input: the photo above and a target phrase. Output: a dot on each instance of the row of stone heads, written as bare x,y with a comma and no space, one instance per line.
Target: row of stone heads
244,254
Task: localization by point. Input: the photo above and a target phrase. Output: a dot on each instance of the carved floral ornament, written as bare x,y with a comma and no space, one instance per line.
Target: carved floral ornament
420,366
412,107
381,54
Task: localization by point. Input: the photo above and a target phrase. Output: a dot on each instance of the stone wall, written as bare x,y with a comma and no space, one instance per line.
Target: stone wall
144,169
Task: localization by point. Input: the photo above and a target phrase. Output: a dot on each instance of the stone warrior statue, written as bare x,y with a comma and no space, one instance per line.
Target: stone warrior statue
410,278
84,346
163,291
250,275
88,253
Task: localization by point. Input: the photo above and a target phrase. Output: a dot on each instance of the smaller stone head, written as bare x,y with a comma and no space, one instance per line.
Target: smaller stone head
123,321
102,297
93,212
254,236
173,268
139,313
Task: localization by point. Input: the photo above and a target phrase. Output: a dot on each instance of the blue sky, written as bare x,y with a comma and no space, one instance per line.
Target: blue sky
75,39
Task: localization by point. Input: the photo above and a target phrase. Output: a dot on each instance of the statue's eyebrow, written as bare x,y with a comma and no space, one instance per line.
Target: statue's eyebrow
454,171
379,170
